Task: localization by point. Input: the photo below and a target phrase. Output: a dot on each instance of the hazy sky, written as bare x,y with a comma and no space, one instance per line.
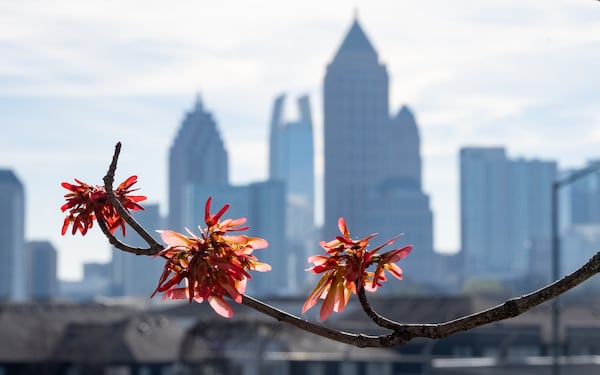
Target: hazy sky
78,76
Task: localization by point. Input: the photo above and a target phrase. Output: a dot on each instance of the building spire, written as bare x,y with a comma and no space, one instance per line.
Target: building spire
356,41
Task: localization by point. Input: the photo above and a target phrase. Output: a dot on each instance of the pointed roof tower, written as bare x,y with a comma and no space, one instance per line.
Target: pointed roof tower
356,42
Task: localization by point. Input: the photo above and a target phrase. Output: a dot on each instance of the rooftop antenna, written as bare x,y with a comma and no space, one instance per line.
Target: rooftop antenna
198,100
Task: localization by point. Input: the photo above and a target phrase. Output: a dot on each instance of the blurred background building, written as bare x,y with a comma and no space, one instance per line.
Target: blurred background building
12,237
291,161
372,160
135,275
505,216
197,156
580,224
42,272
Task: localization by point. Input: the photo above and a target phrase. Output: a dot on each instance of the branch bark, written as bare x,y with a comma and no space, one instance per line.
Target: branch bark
400,333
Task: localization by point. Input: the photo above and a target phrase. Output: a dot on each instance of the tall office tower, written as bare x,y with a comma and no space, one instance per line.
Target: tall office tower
505,213
372,160
133,275
197,156
12,237
356,120
291,161
263,204
42,271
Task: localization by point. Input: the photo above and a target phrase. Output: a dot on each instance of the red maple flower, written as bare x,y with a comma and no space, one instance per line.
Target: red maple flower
344,269
88,202
211,265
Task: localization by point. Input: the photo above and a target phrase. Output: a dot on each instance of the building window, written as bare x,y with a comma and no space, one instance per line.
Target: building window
521,351
315,368
348,368
379,368
490,352
462,351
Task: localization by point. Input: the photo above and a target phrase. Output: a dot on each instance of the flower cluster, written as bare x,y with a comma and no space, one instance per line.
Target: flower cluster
86,203
344,269
211,265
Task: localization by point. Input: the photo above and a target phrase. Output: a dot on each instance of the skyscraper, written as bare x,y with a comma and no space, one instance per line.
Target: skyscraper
42,271
291,162
291,150
505,212
372,160
133,275
12,237
197,156
356,120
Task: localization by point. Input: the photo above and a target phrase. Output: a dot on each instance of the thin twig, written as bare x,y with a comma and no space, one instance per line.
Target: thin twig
375,317
109,179
119,244
359,340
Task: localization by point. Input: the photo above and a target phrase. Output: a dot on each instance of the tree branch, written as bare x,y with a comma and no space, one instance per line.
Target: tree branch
359,340
401,333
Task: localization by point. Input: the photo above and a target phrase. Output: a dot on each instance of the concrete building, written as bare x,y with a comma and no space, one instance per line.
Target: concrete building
12,237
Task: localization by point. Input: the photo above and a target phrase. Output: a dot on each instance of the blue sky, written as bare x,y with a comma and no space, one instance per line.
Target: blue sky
78,76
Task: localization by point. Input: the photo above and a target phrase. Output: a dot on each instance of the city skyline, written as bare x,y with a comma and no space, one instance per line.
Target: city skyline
513,74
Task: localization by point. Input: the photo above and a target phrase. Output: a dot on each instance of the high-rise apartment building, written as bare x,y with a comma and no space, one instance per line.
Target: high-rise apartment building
505,213
12,237
197,156
42,278
372,160
137,275
291,162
